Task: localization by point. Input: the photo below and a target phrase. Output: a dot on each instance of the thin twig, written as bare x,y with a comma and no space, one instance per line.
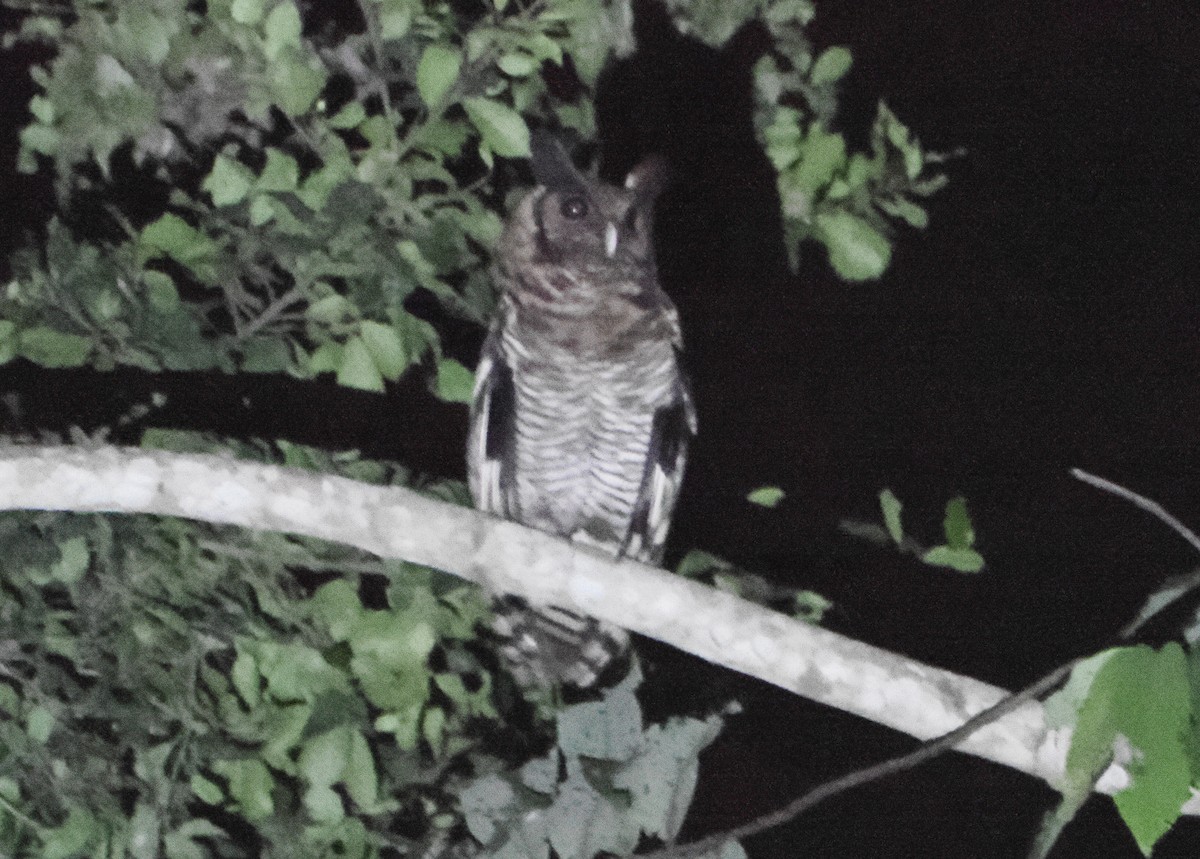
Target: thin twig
1151,507
270,313
939,745
924,752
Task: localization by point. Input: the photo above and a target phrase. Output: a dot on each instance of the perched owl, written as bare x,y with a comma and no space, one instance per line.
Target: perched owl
582,415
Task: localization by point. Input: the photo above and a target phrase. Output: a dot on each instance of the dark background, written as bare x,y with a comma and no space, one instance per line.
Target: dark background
1046,319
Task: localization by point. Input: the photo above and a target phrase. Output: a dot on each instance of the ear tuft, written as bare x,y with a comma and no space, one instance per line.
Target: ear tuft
552,167
650,177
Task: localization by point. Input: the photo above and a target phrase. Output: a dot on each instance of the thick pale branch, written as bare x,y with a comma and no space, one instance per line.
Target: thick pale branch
886,688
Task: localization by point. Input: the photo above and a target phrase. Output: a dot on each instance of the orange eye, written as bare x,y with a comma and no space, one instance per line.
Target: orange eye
574,208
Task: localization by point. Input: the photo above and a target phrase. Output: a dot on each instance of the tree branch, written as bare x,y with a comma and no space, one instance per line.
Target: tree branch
392,522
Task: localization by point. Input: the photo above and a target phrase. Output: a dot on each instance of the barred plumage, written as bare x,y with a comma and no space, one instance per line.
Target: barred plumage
581,415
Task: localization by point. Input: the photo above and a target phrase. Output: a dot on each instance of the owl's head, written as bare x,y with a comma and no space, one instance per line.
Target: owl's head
580,222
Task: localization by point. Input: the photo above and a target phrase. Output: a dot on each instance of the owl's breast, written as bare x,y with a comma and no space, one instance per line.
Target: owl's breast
583,434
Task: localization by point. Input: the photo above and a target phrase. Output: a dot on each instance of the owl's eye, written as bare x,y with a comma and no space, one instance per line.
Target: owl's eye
574,208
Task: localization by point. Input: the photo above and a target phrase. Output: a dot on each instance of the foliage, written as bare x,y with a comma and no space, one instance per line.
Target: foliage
956,553
766,496
313,178
301,187
161,676
1107,700
710,569
607,782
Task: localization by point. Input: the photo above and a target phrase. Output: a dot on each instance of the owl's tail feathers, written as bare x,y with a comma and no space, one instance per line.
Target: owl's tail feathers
550,646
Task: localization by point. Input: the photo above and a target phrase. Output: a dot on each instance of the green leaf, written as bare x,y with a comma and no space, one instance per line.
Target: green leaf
385,347
43,109
295,84
910,212
360,777
488,803
891,507
357,368
324,804
144,832
349,116
661,779
295,672
697,562
266,355
957,524
433,728
330,310
79,831
228,181
247,11
73,563
280,173
517,64
53,349
783,138
161,291
173,236
455,383
856,250
207,791
544,48
437,72
395,18
245,678
262,210
323,758
766,496
397,642
250,785
39,723
810,606
282,28
1115,715
502,128
151,35
582,822
40,138
609,729
831,65
963,560
326,358
822,155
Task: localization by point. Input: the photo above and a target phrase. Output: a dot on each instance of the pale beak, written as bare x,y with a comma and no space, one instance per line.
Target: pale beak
610,239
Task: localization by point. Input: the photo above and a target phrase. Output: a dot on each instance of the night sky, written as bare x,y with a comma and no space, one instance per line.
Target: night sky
1046,319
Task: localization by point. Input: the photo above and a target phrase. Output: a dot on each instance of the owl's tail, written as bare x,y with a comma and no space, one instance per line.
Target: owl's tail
547,646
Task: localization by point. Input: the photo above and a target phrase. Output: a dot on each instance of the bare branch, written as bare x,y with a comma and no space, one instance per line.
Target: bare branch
1151,507
886,688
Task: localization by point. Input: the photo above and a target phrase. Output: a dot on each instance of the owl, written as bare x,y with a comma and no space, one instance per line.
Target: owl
581,415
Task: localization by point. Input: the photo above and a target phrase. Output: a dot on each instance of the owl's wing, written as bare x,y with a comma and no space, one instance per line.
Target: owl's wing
671,431
491,440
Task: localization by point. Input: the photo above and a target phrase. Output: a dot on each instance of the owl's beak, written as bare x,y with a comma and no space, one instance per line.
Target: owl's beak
610,239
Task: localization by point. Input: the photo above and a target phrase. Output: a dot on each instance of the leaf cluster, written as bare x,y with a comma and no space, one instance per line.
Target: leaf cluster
183,690
319,173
